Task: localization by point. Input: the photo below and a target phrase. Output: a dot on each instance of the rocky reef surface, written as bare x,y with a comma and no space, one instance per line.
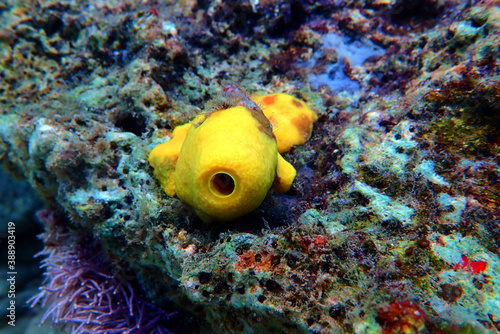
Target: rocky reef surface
392,224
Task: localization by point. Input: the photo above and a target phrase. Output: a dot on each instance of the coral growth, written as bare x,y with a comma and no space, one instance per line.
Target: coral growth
403,317
82,295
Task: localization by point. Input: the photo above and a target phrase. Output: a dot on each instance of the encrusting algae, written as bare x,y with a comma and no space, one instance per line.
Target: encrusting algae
225,161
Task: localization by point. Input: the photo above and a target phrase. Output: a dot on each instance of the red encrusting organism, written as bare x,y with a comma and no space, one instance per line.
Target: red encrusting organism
473,266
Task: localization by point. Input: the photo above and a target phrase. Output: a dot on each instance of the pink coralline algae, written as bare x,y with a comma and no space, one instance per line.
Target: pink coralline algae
467,264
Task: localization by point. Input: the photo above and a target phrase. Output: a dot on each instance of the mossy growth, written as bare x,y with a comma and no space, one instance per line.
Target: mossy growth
389,183
468,117
463,136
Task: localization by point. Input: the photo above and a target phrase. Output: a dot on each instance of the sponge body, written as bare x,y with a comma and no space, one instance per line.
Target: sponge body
226,165
291,119
224,162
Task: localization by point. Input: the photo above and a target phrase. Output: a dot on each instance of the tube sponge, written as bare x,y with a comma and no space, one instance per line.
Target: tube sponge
224,162
227,165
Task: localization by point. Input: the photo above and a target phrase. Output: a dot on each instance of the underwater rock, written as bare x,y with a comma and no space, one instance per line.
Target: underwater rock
394,208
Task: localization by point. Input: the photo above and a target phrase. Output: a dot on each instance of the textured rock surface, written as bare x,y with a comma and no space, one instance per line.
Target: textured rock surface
395,207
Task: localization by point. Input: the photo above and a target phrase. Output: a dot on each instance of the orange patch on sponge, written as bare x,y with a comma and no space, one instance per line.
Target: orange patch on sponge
269,99
292,120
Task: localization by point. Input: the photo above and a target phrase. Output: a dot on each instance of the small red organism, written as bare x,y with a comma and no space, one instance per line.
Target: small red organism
245,261
320,241
153,11
475,267
402,317
259,261
305,242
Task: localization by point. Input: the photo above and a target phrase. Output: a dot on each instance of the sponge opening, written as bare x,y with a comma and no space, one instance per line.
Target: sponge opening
222,184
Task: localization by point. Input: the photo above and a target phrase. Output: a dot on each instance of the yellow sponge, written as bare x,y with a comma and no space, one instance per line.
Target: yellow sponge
163,158
227,164
291,119
224,162
285,174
